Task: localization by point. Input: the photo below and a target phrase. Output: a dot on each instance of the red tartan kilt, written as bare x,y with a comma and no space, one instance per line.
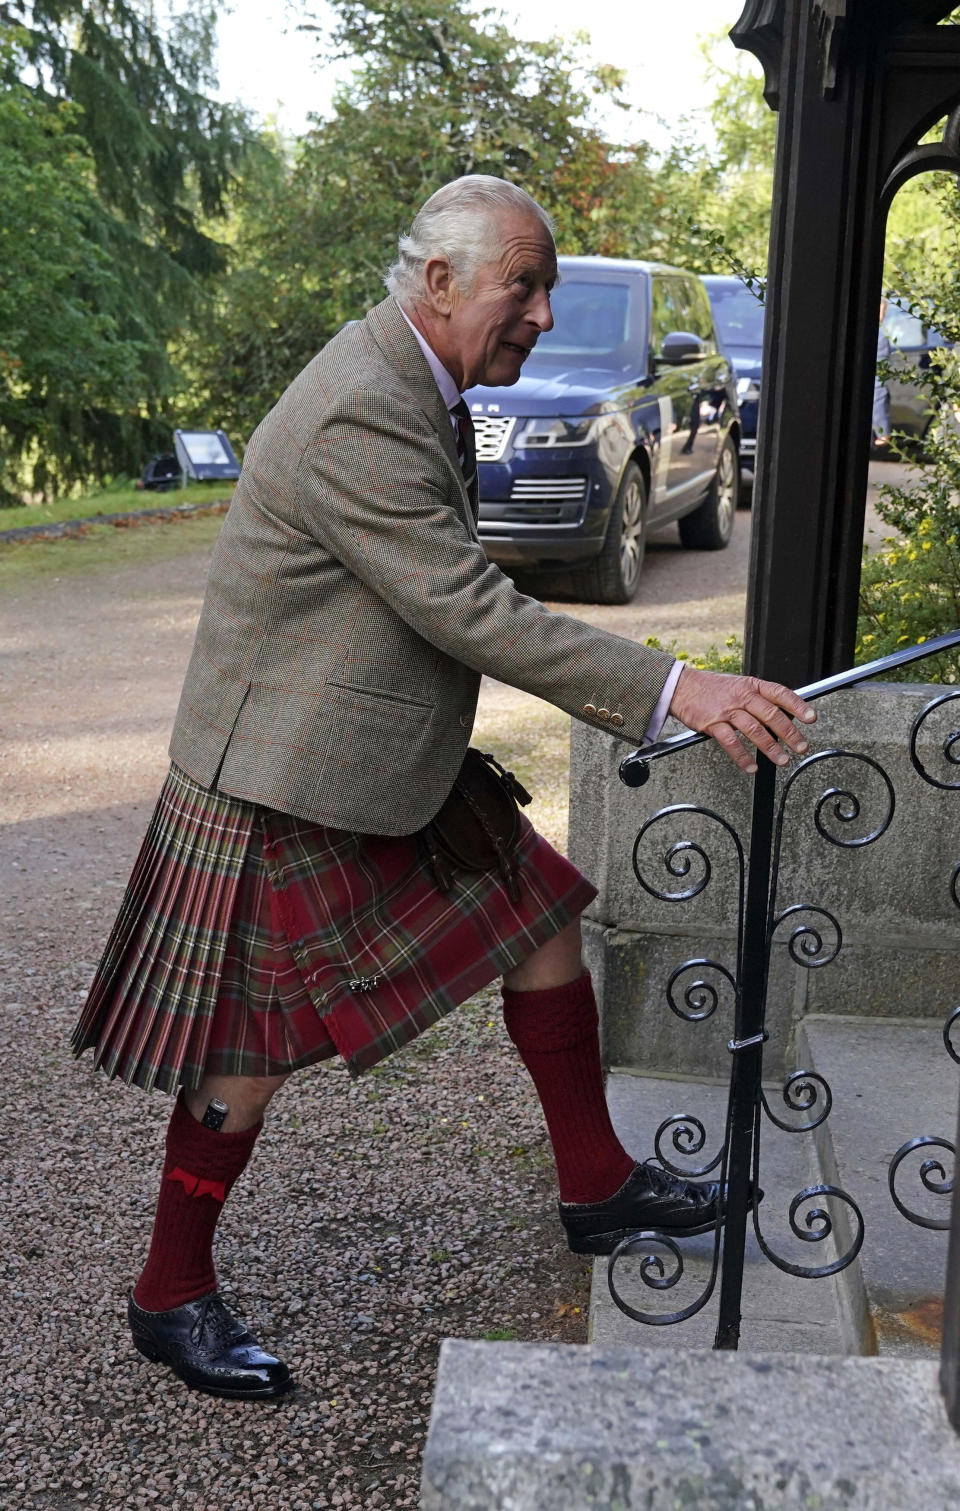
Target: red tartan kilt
254,943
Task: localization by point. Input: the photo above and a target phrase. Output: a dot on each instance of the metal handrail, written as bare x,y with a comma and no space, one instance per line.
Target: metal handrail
633,768
807,1093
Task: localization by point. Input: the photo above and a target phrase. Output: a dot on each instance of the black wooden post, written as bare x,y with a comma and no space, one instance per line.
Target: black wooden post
856,85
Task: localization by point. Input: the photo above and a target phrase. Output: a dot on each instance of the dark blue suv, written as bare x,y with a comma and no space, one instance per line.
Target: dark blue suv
624,420
738,318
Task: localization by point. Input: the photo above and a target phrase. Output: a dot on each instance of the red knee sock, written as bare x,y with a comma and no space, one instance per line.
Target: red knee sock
556,1032
199,1170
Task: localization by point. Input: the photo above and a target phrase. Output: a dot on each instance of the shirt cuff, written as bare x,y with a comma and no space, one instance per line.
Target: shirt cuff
659,715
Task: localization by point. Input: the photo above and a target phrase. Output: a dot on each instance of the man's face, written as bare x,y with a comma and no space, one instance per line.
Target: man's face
494,326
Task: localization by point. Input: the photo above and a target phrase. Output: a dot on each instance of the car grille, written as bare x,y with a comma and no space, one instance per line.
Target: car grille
561,489
538,501
492,432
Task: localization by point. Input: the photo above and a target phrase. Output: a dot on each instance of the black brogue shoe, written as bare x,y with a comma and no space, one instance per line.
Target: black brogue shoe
650,1198
209,1348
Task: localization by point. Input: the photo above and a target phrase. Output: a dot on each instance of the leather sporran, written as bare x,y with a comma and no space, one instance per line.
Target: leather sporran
478,827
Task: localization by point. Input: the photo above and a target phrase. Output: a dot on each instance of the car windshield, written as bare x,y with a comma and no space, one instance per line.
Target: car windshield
737,314
590,320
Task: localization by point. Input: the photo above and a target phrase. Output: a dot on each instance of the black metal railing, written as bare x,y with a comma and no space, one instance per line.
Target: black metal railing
847,818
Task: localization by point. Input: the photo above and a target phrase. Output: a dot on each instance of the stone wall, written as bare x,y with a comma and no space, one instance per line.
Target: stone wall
892,898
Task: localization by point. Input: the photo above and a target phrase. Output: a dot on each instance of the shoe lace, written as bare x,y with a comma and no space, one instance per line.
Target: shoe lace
212,1314
662,1183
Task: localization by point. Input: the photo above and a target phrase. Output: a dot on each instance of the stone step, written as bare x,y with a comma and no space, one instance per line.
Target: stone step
781,1313
547,1427
892,1080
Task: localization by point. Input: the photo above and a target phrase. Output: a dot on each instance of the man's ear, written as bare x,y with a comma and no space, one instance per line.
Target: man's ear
439,280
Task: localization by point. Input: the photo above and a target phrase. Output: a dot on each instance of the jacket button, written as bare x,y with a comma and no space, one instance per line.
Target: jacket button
616,719
464,722
603,713
590,710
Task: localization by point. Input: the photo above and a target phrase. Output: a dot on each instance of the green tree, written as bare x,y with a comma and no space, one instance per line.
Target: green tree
143,161
442,90
61,354
910,586
715,182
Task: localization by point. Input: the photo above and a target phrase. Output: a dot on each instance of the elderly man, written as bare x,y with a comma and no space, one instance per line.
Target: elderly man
285,906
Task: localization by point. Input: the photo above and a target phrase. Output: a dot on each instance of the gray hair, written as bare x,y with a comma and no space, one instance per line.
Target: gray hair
457,222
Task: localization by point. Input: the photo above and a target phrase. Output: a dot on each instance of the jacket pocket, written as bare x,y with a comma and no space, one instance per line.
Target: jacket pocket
376,695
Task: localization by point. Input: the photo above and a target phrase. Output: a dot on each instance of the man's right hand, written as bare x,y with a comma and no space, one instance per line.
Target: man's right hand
734,709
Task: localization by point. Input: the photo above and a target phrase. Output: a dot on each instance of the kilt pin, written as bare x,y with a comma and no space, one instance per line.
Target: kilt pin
282,909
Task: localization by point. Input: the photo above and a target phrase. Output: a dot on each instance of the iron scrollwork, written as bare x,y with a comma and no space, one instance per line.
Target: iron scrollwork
809,945
837,806
655,1275
949,747
802,1091
700,996
844,818
932,1172
933,1177
688,1136
817,1226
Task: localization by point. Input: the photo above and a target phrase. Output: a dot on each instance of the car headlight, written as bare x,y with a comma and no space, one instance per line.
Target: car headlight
748,390
541,434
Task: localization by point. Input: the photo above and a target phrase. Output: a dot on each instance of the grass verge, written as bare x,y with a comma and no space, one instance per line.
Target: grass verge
108,501
103,548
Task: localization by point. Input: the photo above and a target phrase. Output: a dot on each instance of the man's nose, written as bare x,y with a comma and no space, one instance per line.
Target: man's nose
540,313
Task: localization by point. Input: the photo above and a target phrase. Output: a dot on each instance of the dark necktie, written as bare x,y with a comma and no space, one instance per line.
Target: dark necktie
467,450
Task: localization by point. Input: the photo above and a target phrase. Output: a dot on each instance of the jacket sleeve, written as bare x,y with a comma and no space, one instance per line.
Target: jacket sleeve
376,489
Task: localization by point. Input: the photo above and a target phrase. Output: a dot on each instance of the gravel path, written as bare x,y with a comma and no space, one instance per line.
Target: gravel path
377,1217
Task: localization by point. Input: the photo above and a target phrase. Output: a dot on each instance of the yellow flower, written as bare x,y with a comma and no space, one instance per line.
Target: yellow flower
868,639
928,545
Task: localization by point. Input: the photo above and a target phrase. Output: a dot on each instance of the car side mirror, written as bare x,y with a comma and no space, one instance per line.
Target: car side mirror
680,347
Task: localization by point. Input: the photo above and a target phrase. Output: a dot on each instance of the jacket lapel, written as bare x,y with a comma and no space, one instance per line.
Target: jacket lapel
416,384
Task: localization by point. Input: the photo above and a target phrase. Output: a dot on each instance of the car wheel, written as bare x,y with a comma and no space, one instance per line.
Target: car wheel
612,577
710,526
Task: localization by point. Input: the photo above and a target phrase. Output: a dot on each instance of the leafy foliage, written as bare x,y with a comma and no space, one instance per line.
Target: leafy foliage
442,91
117,159
910,587
63,355
176,269
716,182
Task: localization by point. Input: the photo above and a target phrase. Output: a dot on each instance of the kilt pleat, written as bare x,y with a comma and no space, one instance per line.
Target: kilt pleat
155,991
251,942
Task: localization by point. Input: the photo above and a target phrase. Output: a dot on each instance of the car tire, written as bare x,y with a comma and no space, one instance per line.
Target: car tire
710,526
614,575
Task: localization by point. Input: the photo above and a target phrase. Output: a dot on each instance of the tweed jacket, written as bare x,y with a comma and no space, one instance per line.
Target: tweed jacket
350,609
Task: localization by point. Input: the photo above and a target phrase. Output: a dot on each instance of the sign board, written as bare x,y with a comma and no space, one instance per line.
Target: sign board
205,455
